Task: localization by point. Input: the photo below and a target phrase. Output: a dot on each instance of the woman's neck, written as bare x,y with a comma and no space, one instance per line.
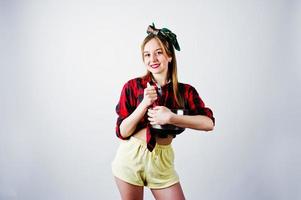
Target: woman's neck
161,80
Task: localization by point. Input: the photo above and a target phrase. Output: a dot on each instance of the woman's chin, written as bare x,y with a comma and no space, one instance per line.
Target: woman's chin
155,71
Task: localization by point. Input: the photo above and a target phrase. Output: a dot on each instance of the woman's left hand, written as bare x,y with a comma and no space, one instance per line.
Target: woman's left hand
159,115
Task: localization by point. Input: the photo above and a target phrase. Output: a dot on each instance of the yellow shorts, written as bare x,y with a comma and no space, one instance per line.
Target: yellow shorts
135,164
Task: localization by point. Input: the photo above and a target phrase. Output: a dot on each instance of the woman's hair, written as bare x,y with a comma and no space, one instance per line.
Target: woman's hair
172,75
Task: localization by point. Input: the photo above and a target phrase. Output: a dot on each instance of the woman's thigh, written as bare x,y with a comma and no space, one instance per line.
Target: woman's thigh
129,191
173,192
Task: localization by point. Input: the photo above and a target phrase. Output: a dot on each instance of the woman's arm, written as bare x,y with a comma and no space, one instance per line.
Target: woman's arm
129,124
162,115
198,122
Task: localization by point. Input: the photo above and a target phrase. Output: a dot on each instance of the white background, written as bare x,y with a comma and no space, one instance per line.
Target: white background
63,64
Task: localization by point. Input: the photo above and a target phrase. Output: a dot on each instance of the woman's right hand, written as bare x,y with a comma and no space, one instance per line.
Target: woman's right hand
150,95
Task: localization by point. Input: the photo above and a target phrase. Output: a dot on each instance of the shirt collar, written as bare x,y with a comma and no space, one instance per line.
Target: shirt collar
149,78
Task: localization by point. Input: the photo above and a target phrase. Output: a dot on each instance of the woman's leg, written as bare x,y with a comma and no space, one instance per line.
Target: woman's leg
129,191
173,192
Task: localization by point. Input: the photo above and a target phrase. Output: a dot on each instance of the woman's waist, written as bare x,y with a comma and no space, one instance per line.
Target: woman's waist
141,134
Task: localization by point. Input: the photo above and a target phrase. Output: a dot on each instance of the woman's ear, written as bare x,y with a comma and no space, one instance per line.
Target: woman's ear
169,59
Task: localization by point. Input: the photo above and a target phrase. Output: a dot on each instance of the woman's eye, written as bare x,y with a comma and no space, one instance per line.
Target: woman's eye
146,55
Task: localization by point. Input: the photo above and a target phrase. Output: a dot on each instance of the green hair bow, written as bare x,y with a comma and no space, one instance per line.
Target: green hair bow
166,33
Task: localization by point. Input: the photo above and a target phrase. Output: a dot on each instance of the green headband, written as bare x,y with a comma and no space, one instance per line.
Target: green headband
165,33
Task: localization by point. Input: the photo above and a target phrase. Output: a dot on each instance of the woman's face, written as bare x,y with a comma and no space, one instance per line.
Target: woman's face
155,60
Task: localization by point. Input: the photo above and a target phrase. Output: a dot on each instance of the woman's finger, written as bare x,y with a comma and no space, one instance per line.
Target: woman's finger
152,123
151,91
157,108
150,112
153,96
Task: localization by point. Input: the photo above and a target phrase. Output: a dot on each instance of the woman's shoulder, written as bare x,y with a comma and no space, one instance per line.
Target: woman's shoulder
185,86
187,90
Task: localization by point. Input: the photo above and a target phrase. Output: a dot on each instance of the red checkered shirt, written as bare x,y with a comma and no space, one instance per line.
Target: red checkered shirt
132,94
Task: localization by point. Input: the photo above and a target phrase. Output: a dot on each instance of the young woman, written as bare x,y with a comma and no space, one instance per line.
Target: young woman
146,158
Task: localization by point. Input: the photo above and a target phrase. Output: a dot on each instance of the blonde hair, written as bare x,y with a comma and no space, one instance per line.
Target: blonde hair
172,66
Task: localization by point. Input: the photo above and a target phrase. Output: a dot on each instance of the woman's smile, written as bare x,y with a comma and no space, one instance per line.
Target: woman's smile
155,66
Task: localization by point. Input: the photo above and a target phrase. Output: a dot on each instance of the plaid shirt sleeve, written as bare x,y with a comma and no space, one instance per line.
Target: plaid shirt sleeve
196,104
125,107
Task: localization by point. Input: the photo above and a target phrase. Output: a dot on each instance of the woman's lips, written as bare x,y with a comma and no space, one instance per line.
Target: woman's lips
154,66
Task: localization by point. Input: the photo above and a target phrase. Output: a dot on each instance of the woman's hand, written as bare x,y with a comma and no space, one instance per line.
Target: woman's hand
159,115
150,95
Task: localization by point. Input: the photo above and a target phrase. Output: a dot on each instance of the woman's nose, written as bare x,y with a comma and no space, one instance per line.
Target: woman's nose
153,57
